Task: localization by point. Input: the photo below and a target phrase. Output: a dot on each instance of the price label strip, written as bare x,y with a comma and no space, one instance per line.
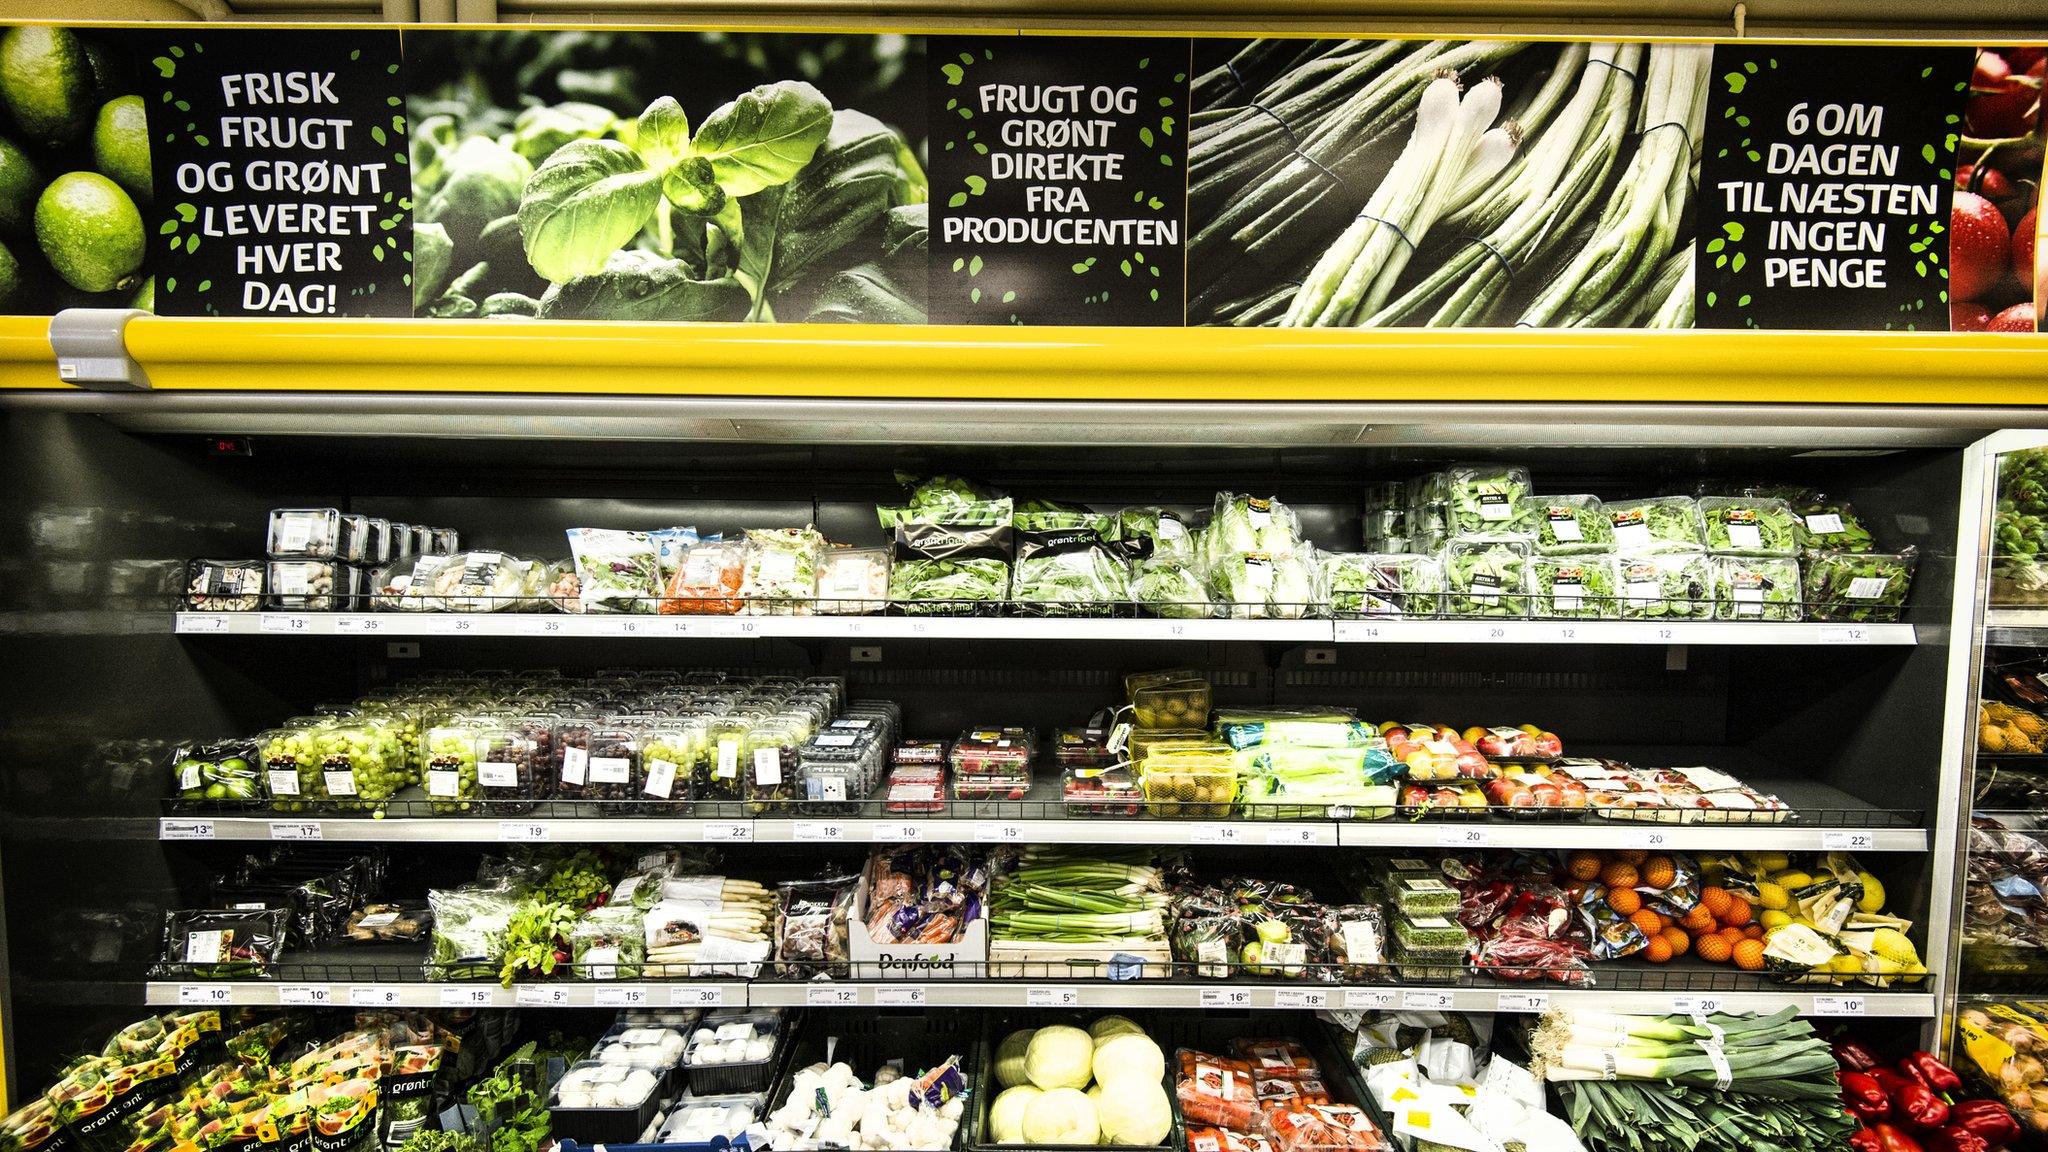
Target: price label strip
1052,997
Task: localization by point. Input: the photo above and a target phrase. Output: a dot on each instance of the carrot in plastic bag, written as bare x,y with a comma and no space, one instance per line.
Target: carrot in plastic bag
1216,1090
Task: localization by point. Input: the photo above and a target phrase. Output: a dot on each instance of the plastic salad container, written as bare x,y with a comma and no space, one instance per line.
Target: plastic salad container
1667,586
1486,578
225,585
1757,588
310,533
1831,526
853,581
1570,525
1859,587
1382,584
780,574
1487,503
311,585
1750,526
1662,524
1189,780
1574,587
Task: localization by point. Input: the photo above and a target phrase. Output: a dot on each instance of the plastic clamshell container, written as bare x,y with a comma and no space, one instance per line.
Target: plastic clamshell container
225,585
837,769
1750,526
311,533
1190,781
1570,525
1486,578
1384,584
1144,742
1423,896
311,585
1671,585
1181,703
711,1123
1757,588
720,1076
1659,524
992,764
622,1124
1575,587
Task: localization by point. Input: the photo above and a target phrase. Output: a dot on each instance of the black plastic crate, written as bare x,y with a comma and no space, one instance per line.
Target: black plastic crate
605,1125
866,1040
1208,1032
739,1079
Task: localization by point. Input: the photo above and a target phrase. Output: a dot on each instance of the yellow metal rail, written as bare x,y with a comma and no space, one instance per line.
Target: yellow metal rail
1062,363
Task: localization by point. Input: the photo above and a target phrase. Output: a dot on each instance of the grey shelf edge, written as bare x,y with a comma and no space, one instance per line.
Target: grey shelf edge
1788,837
1050,994
2016,626
399,625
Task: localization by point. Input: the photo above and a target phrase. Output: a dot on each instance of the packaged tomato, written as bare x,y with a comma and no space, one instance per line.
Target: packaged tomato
1224,1140
707,581
1216,1090
1324,1128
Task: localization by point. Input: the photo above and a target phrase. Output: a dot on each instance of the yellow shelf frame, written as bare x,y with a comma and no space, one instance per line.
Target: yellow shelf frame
1199,364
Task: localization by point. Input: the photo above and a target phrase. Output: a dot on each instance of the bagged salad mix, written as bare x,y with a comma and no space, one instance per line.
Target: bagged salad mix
1859,587
1262,585
617,570
1066,570
780,573
950,566
853,581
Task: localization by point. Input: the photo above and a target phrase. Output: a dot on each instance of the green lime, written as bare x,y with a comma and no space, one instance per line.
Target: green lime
46,82
120,145
90,231
19,183
144,299
10,276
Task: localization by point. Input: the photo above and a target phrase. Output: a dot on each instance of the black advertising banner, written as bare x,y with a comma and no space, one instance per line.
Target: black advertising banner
1058,167
1120,180
1826,181
281,173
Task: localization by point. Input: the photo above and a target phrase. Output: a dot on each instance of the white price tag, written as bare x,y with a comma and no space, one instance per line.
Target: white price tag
372,996
1844,634
891,831
522,831
537,626
1521,1002
168,829
998,833
357,625
1464,836
831,996
197,623
282,622
443,625
1301,998
466,997
1052,997
204,994
305,995
1838,1006
899,997
1427,1000
1216,834
1848,841
1696,1005
729,830
825,831
696,997
620,997
295,830
1368,999
1303,837
1645,838
1225,998
540,996
622,626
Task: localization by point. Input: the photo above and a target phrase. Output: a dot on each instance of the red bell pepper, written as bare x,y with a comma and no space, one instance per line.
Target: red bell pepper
1865,1098
1953,1139
1892,1139
1855,1057
1987,1118
1912,1103
1930,1071
1865,1141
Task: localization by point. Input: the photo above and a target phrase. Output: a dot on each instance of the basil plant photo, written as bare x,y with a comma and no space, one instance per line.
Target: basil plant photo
775,207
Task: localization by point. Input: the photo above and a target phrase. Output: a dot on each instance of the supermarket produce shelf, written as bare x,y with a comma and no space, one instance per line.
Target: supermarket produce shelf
2016,626
556,626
